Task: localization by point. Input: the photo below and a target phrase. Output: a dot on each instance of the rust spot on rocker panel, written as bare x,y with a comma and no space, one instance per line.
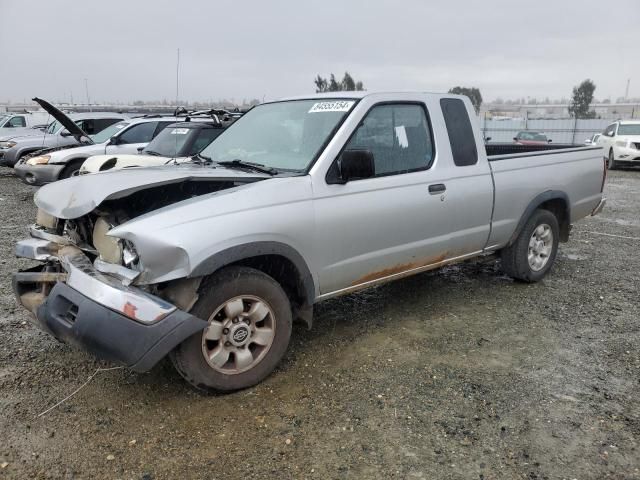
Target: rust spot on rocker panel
401,268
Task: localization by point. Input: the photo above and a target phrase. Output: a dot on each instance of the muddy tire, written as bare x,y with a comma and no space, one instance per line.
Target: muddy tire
611,163
71,170
532,255
249,328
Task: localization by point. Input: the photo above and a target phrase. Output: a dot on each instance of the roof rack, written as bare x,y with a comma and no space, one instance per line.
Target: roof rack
214,113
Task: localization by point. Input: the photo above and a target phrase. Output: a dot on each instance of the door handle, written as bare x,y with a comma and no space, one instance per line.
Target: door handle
437,188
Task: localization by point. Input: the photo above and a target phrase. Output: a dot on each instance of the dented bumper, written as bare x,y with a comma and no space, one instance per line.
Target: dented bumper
77,304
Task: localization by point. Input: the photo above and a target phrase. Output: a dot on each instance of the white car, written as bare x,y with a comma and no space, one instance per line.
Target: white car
592,141
176,143
621,143
126,137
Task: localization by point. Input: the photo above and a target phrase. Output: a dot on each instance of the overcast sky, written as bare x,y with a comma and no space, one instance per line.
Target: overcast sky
239,49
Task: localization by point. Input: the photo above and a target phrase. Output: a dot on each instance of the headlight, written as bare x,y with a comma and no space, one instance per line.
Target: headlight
109,248
130,255
7,145
45,220
40,160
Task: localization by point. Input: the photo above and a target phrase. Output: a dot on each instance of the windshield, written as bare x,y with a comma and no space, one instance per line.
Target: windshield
108,132
283,135
3,119
629,129
54,127
168,142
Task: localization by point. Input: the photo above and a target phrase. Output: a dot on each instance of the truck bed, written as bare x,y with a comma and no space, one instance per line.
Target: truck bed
512,149
573,172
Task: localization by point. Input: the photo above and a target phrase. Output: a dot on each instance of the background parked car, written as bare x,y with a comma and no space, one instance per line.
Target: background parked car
531,138
593,140
126,137
10,122
23,142
178,142
621,143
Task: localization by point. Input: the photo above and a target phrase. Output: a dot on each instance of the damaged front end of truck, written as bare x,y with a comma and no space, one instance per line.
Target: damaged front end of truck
92,288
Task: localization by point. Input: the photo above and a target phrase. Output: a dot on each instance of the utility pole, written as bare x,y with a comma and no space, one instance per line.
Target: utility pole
177,76
626,92
86,88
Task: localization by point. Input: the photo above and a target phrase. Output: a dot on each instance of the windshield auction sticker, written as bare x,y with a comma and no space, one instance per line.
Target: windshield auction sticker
179,131
336,106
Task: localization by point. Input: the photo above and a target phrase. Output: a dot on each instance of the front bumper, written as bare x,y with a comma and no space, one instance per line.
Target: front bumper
77,304
38,174
624,154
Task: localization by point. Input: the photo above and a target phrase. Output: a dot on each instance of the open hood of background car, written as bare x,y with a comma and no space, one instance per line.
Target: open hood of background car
80,135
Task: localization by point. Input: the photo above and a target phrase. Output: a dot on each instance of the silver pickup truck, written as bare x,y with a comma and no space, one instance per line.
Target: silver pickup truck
299,201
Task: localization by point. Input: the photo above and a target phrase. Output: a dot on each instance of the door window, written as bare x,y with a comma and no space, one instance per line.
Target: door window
140,133
609,131
399,137
17,122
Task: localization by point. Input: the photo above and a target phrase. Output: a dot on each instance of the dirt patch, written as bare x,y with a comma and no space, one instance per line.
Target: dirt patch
455,373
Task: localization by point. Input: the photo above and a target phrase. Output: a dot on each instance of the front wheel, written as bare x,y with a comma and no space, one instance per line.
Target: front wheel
611,163
249,326
71,170
531,256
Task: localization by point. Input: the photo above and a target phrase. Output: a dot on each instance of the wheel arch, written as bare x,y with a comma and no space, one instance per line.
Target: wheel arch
278,260
555,201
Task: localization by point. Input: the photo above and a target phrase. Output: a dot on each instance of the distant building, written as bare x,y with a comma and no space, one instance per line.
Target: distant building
560,110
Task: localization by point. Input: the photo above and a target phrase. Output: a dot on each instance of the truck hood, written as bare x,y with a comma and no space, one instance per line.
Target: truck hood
625,138
80,135
77,196
8,133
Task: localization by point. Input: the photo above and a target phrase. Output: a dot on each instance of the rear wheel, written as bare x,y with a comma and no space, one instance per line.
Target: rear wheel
611,163
249,326
531,256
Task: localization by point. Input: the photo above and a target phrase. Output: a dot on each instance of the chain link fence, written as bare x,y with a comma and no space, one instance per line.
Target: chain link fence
558,130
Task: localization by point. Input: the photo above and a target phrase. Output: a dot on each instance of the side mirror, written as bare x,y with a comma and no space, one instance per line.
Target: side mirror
140,149
549,141
113,141
487,139
356,164
515,139
65,133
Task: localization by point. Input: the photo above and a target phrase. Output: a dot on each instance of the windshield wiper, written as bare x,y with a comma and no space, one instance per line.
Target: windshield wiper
256,167
151,152
201,159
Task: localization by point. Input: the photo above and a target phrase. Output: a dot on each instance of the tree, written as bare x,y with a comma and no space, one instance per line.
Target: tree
472,92
334,86
321,84
347,84
581,99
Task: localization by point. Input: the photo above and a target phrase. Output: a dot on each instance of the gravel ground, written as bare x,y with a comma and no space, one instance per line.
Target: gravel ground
460,373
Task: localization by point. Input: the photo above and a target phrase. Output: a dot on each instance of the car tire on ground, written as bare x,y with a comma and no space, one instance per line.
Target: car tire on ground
71,170
249,328
532,255
611,163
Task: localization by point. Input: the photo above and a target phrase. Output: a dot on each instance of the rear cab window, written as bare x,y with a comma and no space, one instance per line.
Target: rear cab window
461,137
